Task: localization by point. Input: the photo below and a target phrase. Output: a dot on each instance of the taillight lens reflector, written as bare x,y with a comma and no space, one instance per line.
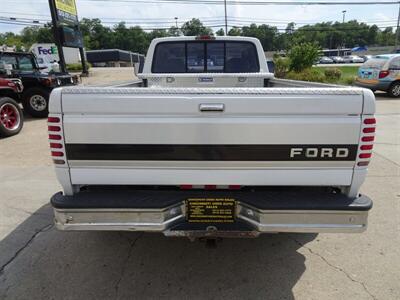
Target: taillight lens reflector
363,163
186,186
53,119
367,147
368,138
57,153
235,187
210,187
59,161
369,130
55,145
370,121
54,128
365,155
54,137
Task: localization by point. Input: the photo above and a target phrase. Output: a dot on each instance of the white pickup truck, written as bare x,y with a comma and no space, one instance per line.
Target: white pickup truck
207,147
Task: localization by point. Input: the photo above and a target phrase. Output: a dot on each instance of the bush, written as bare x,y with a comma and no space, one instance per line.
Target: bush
303,56
350,80
77,67
333,74
281,66
306,75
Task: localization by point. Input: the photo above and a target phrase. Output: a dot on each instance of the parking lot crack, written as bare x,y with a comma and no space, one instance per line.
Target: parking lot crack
26,211
337,268
124,265
27,244
387,159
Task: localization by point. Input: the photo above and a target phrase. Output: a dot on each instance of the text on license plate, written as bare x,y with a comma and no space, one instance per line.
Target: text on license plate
210,210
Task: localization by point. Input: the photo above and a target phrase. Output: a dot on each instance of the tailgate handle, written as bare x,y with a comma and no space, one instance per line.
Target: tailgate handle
212,107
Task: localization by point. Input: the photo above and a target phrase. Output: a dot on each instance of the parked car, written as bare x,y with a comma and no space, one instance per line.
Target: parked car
353,59
11,117
366,57
382,72
325,60
207,155
338,59
37,85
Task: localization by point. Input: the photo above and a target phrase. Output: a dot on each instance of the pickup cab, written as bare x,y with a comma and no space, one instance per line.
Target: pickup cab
211,145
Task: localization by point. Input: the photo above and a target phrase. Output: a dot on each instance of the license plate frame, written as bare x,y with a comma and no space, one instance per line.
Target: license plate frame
210,210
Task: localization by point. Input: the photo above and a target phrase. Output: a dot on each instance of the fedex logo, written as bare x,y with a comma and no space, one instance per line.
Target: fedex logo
48,51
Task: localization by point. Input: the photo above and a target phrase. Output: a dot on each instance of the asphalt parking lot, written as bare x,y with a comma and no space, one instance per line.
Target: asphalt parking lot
39,262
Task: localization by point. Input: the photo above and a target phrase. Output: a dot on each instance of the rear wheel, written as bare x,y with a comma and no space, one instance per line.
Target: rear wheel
394,90
36,102
11,120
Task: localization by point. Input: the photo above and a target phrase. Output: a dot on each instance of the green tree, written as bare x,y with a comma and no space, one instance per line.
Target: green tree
95,35
11,39
265,33
303,56
235,31
290,28
194,27
174,31
220,32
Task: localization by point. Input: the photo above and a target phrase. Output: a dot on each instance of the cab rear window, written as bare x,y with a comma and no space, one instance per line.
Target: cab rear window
210,56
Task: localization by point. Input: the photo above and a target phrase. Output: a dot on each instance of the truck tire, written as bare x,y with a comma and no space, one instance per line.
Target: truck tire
36,102
11,118
394,89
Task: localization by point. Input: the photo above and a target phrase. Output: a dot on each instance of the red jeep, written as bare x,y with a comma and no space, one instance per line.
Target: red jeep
11,118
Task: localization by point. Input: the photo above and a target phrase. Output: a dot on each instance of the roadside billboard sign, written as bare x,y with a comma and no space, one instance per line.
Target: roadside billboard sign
71,37
66,11
66,30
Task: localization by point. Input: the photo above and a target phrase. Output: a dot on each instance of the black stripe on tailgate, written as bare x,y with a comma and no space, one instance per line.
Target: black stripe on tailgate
211,152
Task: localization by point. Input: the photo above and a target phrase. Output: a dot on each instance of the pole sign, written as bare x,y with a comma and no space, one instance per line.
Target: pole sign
66,30
66,11
71,37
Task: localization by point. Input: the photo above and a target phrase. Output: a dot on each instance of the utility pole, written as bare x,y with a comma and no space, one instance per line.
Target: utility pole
344,16
396,42
226,19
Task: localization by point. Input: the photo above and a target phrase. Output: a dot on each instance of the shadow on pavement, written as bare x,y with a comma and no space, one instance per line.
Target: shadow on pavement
382,96
40,262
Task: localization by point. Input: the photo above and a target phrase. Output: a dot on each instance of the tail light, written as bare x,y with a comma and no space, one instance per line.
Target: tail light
53,120
366,141
54,128
205,37
383,74
56,140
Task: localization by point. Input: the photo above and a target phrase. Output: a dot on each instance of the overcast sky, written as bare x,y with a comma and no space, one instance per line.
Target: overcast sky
153,15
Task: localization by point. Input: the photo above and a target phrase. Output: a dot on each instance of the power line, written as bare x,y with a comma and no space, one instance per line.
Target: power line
205,17
230,2
216,25
205,21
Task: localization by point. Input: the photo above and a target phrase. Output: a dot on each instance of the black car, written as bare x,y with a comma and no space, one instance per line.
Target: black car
37,85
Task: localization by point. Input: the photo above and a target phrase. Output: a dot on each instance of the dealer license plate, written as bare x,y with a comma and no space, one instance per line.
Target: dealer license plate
210,210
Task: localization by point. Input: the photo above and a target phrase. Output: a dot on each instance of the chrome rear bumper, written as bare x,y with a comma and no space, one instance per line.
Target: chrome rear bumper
171,219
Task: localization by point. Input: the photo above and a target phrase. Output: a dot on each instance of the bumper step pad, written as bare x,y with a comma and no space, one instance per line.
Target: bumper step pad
260,210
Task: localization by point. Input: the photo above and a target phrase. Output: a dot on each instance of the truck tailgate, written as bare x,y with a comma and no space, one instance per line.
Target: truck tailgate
215,136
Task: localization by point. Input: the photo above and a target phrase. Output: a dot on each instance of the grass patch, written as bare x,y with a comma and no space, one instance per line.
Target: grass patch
348,74
77,67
